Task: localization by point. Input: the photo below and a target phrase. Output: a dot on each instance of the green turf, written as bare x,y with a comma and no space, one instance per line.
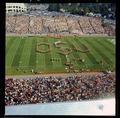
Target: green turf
21,55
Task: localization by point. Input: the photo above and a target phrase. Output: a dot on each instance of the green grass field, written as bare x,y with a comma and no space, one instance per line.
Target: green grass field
22,57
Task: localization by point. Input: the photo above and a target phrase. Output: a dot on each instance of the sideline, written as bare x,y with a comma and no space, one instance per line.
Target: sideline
62,34
55,75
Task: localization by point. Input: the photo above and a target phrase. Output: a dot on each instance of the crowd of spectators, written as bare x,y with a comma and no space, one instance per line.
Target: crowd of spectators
86,26
73,25
35,25
110,30
10,24
31,24
97,25
22,25
61,24
58,89
49,25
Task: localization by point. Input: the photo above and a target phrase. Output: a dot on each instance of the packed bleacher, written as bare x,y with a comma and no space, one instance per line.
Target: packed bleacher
35,25
61,24
10,24
22,25
31,24
28,90
49,25
96,24
110,30
86,26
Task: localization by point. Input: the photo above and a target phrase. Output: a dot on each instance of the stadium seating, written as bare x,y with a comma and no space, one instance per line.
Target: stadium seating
28,90
10,24
35,26
22,25
26,24
97,25
86,26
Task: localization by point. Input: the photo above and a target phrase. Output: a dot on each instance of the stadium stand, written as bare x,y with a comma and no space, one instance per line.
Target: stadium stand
85,25
97,25
58,89
27,24
10,24
22,25
110,30
36,25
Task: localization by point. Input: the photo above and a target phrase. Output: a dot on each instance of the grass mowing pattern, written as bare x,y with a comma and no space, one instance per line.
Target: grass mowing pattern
80,54
48,56
102,52
74,54
17,56
40,57
21,53
24,67
57,65
9,44
11,52
88,54
32,61
95,55
106,45
60,65
105,53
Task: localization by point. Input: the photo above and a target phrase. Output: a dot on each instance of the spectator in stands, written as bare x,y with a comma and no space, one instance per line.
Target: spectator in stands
58,89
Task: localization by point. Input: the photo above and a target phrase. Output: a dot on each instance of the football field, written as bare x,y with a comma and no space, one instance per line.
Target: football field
41,54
